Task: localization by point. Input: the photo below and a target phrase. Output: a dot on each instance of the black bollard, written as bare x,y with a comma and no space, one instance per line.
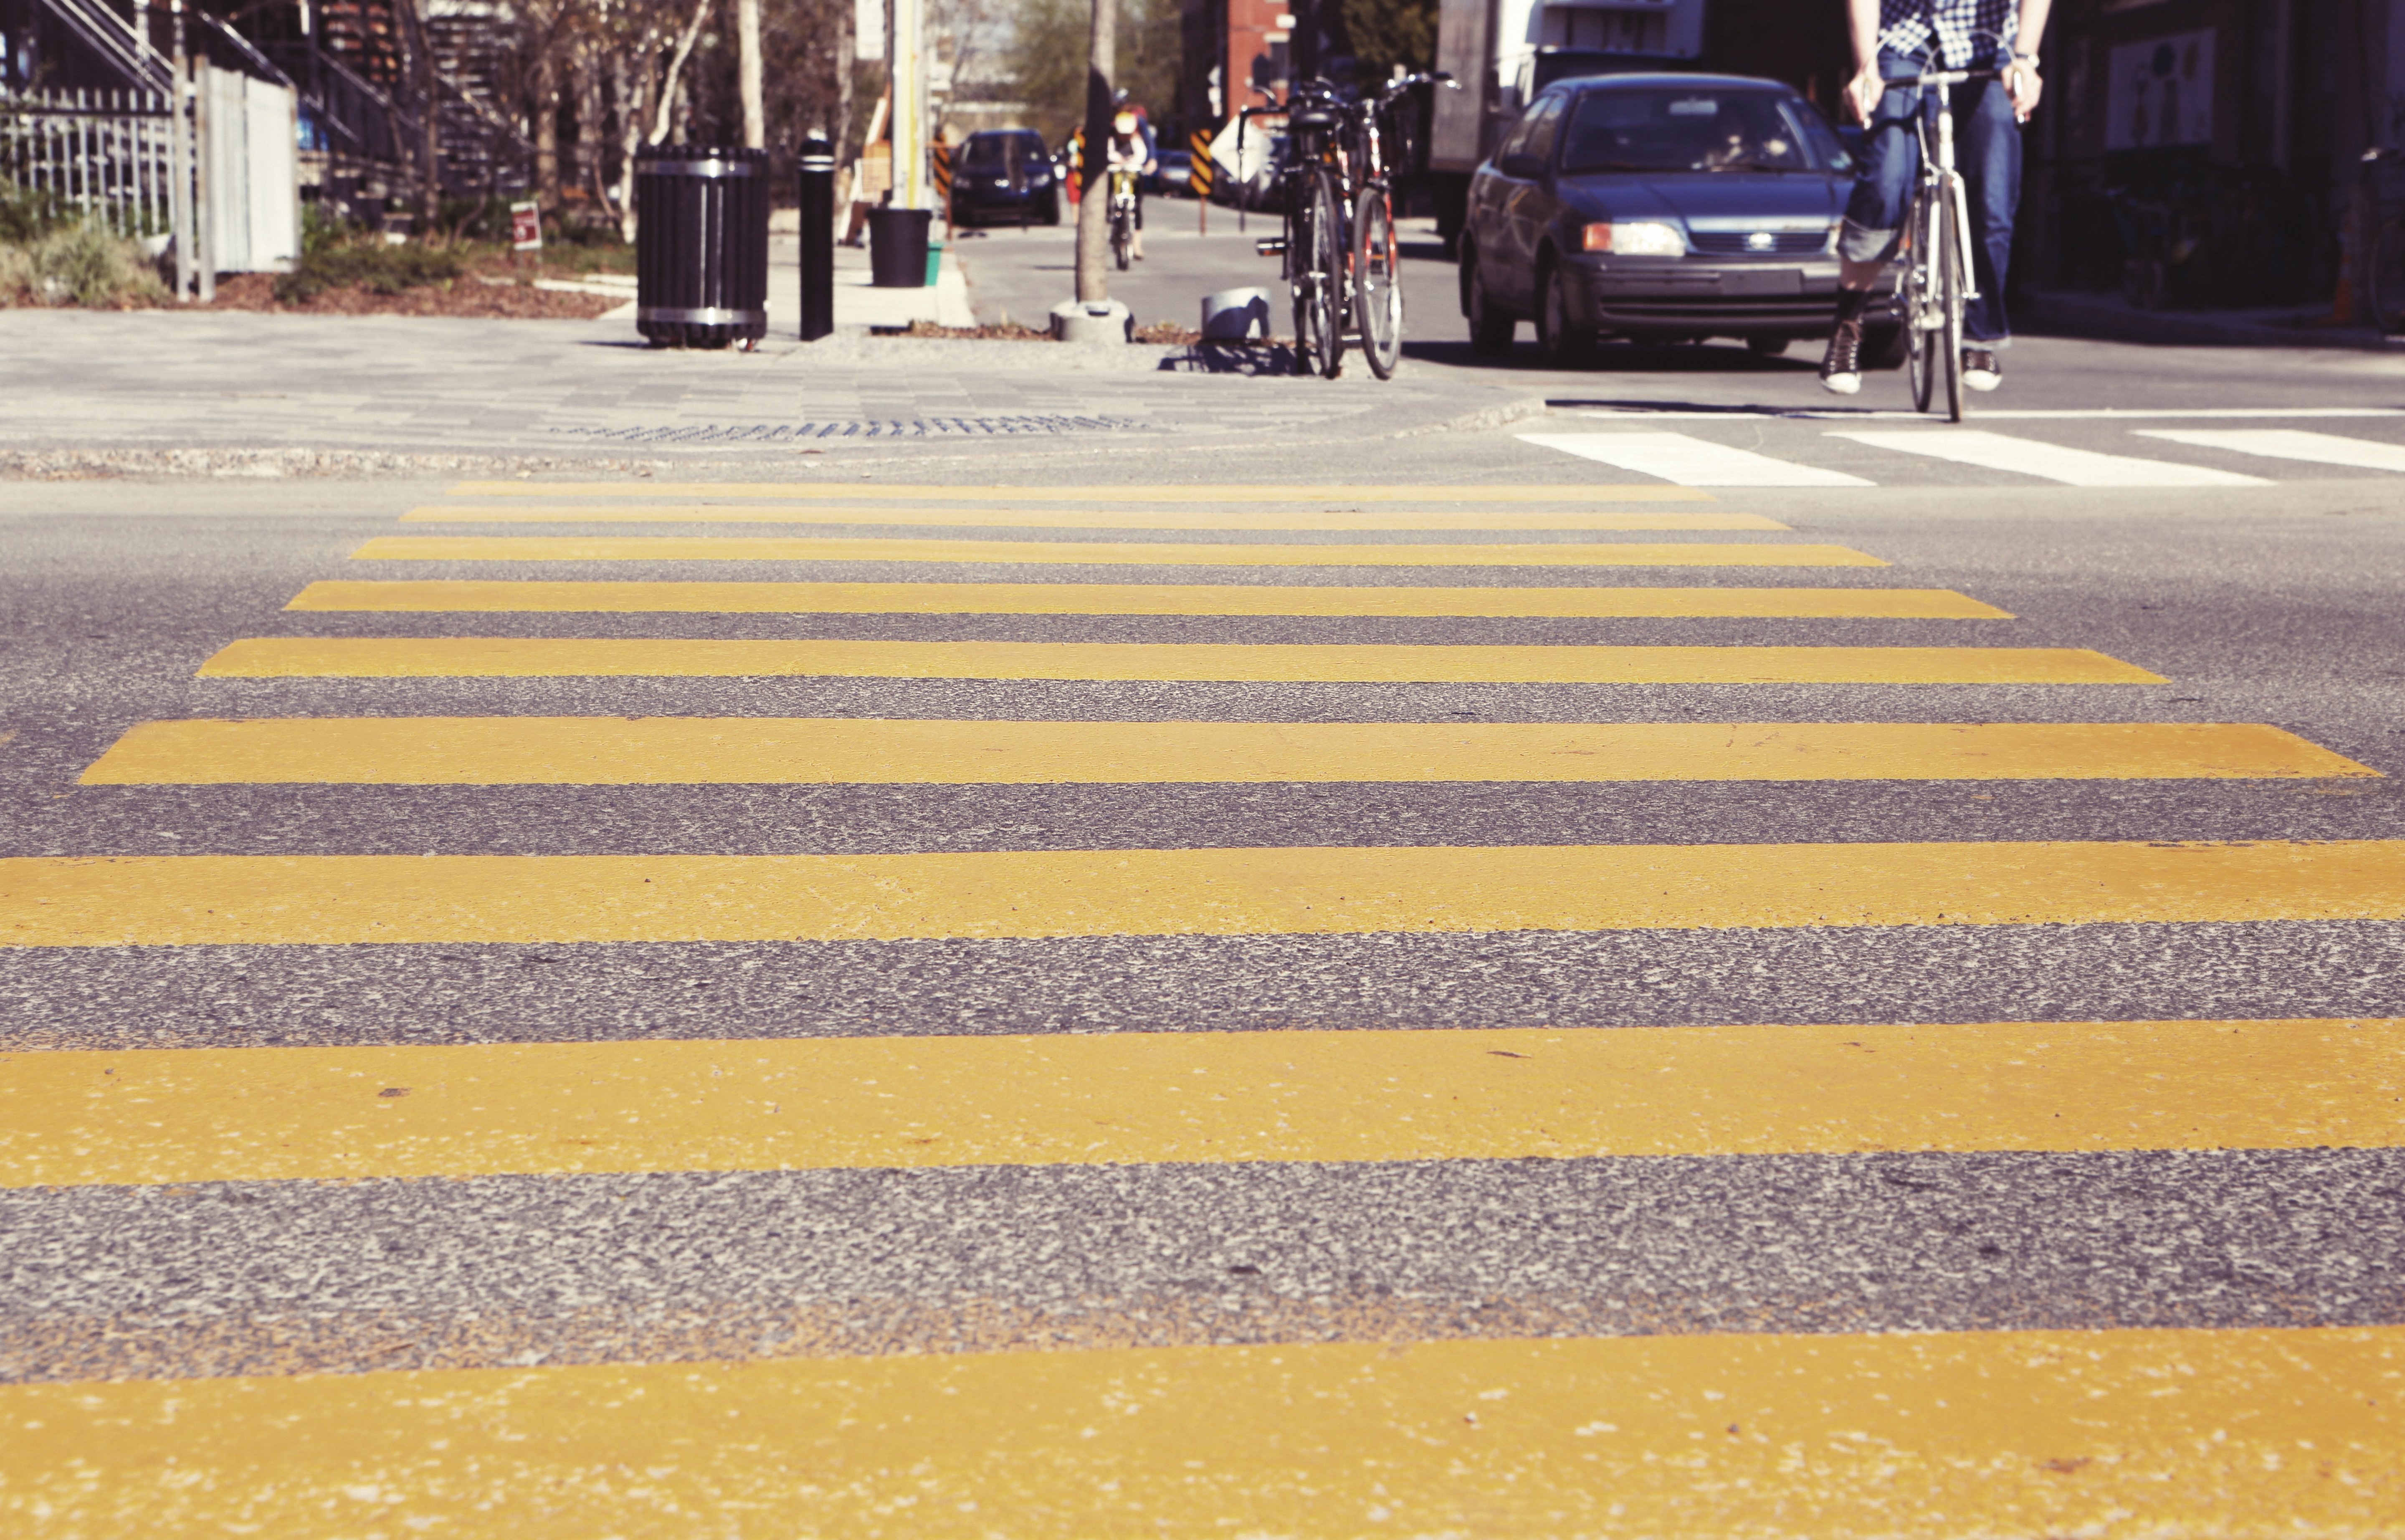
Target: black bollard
818,237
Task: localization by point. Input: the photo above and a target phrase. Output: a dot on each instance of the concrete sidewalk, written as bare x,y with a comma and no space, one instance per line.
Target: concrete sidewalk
858,303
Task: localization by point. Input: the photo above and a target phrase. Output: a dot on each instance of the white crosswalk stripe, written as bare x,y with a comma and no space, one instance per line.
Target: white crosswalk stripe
2289,443
2051,461
1690,461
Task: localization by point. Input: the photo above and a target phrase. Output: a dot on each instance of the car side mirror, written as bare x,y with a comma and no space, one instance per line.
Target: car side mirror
1526,167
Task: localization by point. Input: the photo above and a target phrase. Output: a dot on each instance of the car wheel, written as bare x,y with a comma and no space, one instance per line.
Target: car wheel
1765,348
1491,327
1567,344
1052,212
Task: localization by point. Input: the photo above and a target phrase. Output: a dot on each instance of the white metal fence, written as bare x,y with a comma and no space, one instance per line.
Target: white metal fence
106,155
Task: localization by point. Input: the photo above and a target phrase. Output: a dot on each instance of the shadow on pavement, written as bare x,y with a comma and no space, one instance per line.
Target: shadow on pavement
1232,357
1617,358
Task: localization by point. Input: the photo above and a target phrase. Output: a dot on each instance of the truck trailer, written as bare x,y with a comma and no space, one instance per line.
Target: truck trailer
1502,52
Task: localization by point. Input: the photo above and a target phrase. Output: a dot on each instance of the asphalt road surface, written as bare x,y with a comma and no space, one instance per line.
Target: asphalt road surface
1664,961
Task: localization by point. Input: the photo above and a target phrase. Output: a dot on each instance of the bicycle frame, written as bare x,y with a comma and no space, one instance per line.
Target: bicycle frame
1934,121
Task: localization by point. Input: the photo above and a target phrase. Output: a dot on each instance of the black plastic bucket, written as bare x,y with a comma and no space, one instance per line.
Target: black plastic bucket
897,246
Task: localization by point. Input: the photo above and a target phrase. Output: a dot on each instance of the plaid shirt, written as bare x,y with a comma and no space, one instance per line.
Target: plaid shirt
1907,26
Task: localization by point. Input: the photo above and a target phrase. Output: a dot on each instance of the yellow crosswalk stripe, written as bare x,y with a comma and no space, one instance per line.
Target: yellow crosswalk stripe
501,658
696,750
1134,598
1575,493
2222,1432
1095,553
282,1115
331,901
1081,519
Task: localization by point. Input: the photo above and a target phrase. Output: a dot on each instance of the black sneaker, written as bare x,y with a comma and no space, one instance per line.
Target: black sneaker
1980,369
1841,367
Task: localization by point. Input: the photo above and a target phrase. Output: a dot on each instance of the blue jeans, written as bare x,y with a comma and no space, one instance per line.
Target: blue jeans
1988,152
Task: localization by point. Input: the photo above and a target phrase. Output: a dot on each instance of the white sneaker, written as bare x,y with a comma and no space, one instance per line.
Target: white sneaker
1841,366
1980,369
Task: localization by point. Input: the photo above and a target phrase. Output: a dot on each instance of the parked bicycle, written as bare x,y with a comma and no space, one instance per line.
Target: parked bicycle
1312,235
1341,261
1377,275
1938,277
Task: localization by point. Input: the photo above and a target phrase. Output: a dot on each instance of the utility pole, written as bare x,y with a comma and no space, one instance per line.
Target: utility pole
1094,183
905,75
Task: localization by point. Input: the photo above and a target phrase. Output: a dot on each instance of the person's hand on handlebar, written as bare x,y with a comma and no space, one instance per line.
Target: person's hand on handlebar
2021,80
1863,92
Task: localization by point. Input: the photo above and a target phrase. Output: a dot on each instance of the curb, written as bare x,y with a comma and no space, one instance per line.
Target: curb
278,464
1483,419
2097,316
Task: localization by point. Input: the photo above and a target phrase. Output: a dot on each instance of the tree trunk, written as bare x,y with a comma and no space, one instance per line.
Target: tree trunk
847,67
747,65
632,86
546,130
592,152
430,107
1093,202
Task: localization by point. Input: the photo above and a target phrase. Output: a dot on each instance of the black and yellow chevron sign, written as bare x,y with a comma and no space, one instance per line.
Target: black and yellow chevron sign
1199,177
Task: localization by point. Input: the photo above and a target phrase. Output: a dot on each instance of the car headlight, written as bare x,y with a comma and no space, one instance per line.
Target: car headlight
1642,239
1041,179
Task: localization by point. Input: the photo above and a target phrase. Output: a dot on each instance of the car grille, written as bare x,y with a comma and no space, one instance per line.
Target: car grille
1784,243
1615,310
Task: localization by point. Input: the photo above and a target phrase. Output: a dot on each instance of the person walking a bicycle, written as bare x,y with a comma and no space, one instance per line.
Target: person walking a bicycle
1900,39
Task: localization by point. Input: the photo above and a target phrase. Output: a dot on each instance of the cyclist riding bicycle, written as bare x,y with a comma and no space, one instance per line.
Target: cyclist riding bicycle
1130,148
1899,39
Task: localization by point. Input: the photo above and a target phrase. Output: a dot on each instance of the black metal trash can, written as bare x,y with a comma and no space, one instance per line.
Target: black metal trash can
701,245
897,247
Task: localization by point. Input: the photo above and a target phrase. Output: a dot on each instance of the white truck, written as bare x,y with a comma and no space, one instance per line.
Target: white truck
1502,52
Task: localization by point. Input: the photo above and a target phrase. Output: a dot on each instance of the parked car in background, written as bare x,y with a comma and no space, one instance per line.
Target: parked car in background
1660,208
1005,176
1172,177
1245,159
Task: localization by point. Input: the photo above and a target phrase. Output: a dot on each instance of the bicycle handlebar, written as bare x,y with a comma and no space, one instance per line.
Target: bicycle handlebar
1947,78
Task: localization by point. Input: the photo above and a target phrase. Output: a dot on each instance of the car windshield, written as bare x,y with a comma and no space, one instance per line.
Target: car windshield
990,152
1674,128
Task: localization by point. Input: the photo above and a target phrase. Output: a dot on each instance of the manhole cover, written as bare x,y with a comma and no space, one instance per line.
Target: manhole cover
868,428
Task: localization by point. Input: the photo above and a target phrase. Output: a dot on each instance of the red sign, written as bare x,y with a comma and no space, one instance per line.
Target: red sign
526,227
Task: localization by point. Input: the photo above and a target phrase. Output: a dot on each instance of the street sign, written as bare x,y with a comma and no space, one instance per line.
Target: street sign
526,227
1199,176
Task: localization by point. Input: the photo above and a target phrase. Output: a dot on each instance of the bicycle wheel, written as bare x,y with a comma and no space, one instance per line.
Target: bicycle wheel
1954,280
1122,240
1920,280
1324,275
1377,283
1301,243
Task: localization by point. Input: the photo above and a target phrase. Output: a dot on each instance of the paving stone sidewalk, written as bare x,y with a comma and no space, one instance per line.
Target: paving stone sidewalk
163,381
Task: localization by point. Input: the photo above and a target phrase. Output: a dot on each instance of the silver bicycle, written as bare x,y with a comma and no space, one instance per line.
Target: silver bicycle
1938,279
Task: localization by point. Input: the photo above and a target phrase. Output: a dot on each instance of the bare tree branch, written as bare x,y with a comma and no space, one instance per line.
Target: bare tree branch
676,68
